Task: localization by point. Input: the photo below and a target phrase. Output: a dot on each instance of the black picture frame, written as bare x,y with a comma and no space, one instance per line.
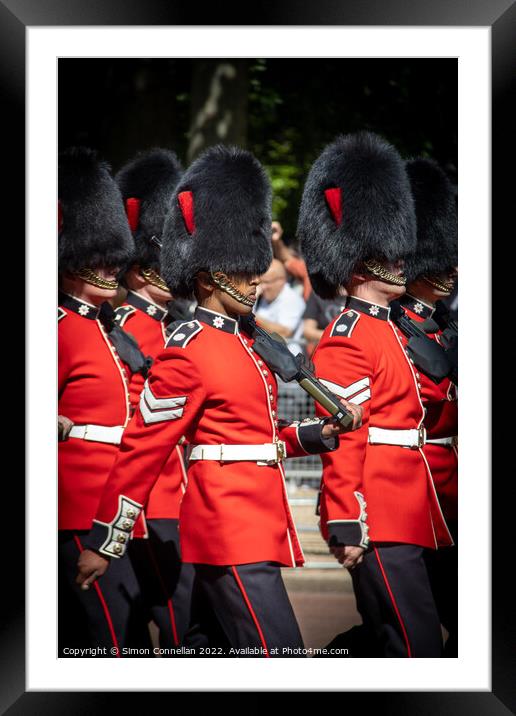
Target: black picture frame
500,16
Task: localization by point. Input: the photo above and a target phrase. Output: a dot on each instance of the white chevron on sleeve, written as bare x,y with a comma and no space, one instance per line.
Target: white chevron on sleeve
157,410
160,403
344,392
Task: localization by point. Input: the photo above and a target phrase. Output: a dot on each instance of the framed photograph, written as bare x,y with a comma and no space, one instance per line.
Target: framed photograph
55,61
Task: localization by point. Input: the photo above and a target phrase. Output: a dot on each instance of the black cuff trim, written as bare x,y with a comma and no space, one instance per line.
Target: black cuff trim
96,537
312,441
352,532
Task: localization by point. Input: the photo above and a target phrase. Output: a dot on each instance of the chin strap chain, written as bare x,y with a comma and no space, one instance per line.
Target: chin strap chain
379,271
89,276
154,278
222,281
439,284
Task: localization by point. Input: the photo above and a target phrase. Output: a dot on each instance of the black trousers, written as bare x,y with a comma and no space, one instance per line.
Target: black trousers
243,610
109,616
166,583
395,599
442,565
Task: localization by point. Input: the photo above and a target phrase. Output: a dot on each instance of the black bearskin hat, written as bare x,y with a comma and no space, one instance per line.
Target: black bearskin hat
147,184
220,220
436,215
356,205
93,228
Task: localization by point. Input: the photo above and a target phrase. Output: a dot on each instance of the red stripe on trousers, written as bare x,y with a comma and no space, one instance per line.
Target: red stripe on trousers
405,635
104,605
251,611
163,587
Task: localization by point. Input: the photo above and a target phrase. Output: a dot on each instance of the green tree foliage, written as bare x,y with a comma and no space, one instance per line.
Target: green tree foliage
293,108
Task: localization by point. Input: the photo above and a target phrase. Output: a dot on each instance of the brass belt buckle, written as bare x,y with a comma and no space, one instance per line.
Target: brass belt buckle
281,450
421,437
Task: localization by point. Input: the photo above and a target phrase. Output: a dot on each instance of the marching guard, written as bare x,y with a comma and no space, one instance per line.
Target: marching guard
378,505
93,381
208,384
147,185
431,274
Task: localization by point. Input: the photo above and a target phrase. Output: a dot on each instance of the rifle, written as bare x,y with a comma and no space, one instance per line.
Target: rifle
274,351
428,355
126,346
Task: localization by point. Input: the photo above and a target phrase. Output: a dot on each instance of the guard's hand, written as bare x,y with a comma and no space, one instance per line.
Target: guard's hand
64,425
348,555
333,428
91,565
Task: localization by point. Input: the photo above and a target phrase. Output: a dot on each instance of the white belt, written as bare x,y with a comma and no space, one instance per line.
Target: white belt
98,433
414,438
449,442
266,453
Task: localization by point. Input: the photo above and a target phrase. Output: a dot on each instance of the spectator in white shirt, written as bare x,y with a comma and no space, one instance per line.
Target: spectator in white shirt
279,307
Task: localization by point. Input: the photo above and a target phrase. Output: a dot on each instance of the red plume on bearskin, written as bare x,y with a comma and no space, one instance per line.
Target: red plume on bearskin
334,200
185,199
132,209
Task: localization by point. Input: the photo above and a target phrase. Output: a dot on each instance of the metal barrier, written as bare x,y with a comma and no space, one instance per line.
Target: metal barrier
295,404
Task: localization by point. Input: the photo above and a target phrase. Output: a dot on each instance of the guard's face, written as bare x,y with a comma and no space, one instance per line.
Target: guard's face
390,290
98,295
158,295
86,291
245,285
442,284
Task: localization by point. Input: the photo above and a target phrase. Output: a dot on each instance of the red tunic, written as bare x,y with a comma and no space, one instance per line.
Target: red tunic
441,420
93,390
361,357
146,323
209,386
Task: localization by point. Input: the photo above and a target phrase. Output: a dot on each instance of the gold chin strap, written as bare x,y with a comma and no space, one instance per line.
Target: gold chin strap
222,281
94,279
379,271
155,279
440,285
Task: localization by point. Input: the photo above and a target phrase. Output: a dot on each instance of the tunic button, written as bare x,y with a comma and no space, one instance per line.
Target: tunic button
117,548
270,388
273,413
271,397
260,362
266,372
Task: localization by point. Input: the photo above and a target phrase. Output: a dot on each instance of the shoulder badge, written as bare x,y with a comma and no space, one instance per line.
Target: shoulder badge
122,313
344,325
182,333
60,313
